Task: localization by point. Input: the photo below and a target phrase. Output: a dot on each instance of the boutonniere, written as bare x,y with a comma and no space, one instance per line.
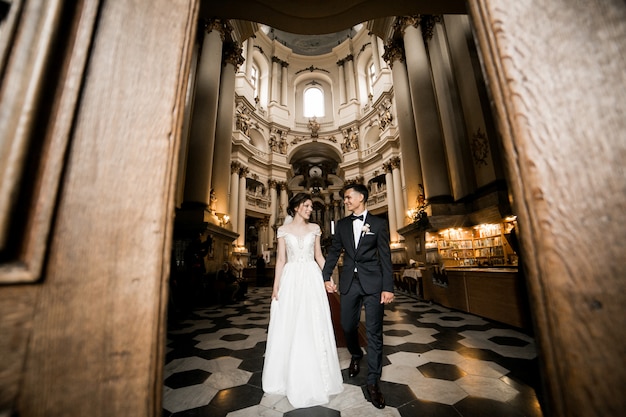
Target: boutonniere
365,230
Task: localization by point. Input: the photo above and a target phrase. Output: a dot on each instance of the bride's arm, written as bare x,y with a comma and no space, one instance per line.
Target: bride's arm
319,256
281,256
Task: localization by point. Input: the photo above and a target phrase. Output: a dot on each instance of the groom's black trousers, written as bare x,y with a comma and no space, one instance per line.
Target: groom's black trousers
351,305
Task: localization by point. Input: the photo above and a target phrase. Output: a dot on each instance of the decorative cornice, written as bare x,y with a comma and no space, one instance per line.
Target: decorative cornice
311,69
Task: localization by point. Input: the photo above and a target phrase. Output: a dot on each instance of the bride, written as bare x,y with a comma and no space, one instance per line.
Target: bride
301,359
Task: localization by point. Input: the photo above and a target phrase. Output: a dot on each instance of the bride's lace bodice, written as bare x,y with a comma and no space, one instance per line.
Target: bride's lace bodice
300,248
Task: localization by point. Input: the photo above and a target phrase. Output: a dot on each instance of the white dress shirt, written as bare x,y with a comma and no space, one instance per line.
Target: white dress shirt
357,227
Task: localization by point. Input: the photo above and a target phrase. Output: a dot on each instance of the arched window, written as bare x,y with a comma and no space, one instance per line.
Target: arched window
313,102
372,73
254,78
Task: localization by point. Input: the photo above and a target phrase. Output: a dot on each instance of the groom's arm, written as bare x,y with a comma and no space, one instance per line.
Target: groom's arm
332,257
384,253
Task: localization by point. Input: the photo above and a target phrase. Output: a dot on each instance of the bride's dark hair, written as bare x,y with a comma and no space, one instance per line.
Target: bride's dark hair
295,201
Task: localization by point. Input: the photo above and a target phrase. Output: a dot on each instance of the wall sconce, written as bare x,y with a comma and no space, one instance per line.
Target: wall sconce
223,219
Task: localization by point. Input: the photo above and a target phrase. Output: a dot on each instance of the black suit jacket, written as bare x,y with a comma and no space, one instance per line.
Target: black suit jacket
371,259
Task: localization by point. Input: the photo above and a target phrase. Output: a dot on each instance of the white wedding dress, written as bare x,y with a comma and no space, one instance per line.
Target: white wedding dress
301,359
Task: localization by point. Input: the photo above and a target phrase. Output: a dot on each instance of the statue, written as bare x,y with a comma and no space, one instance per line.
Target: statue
314,126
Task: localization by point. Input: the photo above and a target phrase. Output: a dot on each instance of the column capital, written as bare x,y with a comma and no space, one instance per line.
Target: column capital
349,58
232,54
395,162
271,183
387,167
341,62
428,25
210,25
243,171
394,51
234,167
404,22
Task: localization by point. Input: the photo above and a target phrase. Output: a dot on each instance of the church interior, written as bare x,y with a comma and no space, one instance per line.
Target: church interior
144,145
399,104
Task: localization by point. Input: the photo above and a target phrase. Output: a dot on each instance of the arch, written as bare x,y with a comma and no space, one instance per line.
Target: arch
372,136
263,66
313,151
258,140
362,65
325,83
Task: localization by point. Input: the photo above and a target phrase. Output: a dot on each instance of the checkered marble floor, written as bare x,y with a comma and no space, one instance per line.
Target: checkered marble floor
437,363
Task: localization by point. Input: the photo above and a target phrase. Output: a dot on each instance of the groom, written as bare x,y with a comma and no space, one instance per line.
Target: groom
366,280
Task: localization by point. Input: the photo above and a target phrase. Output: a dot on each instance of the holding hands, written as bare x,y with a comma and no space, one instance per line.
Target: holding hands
330,286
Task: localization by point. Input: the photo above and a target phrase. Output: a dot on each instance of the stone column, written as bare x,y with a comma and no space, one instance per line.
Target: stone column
425,112
241,208
397,192
375,53
457,149
350,79
271,184
391,204
262,244
283,83
342,81
234,194
412,167
224,128
249,54
202,132
274,97
284,200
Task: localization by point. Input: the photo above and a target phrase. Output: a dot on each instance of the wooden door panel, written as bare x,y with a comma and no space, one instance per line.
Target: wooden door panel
87,323
556,79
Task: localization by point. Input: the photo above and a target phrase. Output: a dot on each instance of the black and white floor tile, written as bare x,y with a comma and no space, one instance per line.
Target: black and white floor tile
438,363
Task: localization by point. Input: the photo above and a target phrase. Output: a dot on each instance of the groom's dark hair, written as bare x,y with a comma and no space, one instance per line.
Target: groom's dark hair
359,188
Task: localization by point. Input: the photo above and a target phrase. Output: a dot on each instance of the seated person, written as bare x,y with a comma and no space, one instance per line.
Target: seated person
228,278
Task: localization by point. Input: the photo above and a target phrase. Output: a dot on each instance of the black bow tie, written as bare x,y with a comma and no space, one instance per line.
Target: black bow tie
353,217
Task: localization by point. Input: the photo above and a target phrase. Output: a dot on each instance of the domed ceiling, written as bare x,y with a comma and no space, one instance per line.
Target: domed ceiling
310,45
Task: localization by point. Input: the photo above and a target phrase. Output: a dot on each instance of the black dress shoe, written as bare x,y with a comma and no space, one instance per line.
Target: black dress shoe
375,396
354,368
